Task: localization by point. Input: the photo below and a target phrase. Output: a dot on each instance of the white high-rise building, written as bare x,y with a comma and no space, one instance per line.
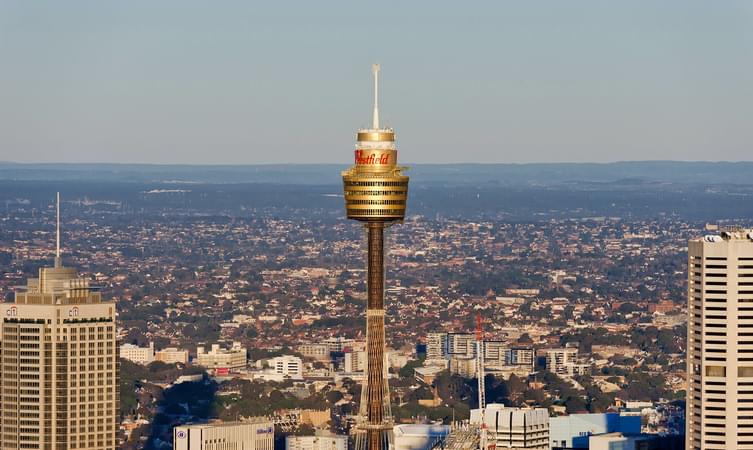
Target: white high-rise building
436,346
520,356
461,344
495,353
720,341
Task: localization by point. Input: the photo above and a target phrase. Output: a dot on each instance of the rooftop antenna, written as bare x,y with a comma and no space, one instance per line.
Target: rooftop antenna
57,248
375,121
481,382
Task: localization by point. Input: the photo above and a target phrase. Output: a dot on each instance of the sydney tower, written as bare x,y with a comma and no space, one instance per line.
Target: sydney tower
375,194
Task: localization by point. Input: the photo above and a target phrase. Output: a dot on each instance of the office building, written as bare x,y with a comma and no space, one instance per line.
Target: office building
172,355
514,427
520,356
495,353
463,365
219,358
461,344
136,354
256,434
59,371
355,361
564,362
336,442
720,341
626,441
573,431
418,436
338,344
319,352
287,366
436,346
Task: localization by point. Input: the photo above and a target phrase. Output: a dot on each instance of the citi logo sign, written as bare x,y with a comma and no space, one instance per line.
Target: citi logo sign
73,312
12,312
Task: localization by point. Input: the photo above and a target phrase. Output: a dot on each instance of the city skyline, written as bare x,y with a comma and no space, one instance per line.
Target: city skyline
574,270
531,315
186,82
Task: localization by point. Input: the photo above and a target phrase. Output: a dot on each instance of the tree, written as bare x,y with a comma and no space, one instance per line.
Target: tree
408,369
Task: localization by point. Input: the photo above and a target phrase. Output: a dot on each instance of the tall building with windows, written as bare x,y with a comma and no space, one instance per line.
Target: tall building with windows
462,344
59,371
720,341
436,346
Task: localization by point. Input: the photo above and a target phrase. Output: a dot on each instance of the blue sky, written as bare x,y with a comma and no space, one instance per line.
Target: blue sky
236,82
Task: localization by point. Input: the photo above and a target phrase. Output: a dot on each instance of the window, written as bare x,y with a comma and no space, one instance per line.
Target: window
718,371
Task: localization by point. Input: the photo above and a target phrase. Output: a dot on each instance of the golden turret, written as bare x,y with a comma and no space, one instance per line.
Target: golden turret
375,188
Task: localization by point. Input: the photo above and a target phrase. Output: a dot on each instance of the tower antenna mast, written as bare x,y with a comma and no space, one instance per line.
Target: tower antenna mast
375,119
57,232
481,382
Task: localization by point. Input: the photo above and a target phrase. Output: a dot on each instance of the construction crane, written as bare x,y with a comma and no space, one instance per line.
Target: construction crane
481,383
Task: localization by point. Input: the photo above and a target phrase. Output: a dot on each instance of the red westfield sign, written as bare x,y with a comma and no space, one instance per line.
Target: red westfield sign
363,157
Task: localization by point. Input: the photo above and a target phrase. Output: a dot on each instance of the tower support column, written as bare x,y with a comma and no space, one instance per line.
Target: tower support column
376,394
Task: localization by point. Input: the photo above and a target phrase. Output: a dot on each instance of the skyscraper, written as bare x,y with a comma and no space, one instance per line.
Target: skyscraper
375,194
59,371
720,341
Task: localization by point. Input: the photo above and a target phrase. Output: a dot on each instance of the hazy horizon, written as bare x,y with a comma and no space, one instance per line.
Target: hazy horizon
187,82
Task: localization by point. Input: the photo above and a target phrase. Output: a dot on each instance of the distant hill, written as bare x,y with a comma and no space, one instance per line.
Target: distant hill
545,174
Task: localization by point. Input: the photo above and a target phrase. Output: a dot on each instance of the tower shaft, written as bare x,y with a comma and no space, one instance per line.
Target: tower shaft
375,343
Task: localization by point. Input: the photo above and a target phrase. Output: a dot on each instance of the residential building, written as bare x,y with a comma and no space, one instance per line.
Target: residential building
564,362
136,354
338,344
462,365
171,355
218,358
320,352
520,356
557,359
720,341
355,360
461,344
436,346
495,353
256,434
287,366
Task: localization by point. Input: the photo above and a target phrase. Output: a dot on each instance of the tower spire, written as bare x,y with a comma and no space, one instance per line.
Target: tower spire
375,119
57,247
